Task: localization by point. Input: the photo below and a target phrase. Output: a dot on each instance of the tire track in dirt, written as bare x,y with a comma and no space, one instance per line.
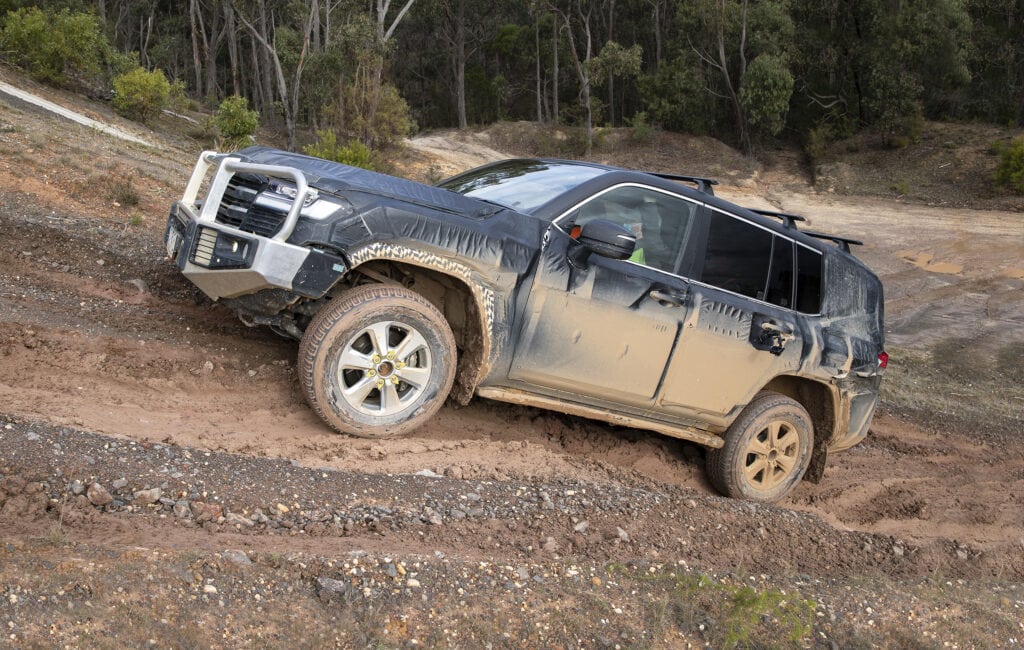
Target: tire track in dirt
95,352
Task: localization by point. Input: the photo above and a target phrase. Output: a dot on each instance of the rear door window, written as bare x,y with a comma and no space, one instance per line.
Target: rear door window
738,256
754,262
780,273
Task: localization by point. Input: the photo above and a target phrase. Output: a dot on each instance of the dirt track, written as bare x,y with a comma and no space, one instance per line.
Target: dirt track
99,333
87,347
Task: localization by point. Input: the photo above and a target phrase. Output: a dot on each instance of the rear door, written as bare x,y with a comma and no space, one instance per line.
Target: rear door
742,329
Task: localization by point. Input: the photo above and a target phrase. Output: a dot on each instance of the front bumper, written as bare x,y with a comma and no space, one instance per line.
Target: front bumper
225,262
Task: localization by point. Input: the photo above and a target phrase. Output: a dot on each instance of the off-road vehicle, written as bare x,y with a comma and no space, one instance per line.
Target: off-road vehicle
639,299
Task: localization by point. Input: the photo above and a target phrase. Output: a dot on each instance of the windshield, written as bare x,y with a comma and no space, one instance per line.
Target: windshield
523,185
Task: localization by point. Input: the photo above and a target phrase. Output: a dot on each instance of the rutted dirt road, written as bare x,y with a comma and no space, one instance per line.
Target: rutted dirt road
127,348
99,335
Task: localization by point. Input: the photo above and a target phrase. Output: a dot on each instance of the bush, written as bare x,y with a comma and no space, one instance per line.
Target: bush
378,118
1010,172
643,130
765,90
56,47
236,122
354,153
671,100
141,95
818,140
177,99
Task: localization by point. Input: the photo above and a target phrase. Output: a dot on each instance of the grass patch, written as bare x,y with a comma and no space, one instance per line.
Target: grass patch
900,187
121,191
727,615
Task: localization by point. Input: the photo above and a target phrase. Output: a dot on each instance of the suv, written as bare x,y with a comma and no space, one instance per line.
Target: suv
635,298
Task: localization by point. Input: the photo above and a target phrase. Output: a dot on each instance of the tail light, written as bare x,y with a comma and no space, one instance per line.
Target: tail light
883,360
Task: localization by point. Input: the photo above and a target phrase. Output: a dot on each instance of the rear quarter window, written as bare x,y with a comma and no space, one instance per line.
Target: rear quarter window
808,280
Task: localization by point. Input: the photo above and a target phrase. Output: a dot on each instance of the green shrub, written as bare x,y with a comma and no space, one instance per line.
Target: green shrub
141,95
643,130
236,122
177,99
354,153
55,47
377,117
818,140
765,90
1010,172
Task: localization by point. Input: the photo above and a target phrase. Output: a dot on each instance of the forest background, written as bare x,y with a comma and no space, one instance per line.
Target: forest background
369,72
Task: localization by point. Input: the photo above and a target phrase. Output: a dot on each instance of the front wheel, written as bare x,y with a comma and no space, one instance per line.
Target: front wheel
377,361
767,450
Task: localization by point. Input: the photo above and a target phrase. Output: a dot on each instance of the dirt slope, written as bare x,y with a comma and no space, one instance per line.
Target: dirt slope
112,368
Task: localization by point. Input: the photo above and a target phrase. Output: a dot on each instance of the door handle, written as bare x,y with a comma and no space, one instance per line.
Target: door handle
775,336
668,298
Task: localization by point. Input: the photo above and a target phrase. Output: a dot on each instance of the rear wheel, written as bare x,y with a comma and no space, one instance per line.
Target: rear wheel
377,361
767,450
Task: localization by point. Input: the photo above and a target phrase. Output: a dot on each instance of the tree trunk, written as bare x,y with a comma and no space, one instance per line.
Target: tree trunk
213,45
611,77
289,100
741,120
259,99
232,34
460,63
314,12
554,71
196,59
267,76
145,33
582,71
657,33
539,87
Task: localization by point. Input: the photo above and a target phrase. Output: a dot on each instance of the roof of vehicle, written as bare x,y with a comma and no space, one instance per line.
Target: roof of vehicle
699,188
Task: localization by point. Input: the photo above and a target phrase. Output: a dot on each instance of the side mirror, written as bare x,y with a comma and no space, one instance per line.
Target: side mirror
608,239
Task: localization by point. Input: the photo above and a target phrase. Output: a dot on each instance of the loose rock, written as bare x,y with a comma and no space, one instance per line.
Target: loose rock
98,495
147,497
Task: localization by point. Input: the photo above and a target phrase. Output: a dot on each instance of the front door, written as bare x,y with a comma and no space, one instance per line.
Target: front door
607,328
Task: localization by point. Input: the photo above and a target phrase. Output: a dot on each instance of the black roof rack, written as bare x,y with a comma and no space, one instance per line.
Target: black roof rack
703,184
787,218
841,242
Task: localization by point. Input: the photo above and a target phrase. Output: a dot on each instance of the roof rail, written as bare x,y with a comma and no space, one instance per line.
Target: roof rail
787,218
842,242
703,184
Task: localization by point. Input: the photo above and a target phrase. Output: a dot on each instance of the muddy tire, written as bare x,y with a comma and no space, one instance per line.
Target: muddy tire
377,361
767,450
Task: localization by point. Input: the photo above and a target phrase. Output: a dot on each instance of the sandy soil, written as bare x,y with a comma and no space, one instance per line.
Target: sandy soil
99,333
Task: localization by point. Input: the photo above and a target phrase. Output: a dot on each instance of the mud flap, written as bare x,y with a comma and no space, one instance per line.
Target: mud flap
816,470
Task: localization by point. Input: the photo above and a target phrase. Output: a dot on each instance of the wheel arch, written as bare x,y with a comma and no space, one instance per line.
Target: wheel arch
466,303
821,404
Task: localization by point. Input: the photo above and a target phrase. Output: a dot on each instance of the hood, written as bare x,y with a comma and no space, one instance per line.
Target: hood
337,178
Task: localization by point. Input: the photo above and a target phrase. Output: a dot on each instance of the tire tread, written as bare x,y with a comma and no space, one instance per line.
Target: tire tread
324,321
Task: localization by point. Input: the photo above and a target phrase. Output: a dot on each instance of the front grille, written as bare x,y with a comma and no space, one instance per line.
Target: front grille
238,208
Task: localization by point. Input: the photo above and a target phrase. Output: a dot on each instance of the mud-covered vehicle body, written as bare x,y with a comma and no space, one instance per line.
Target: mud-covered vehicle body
638,299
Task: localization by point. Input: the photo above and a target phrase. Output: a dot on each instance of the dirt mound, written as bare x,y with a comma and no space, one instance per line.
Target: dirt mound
949,165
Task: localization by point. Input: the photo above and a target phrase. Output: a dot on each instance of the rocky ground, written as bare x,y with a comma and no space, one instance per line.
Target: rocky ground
163,483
